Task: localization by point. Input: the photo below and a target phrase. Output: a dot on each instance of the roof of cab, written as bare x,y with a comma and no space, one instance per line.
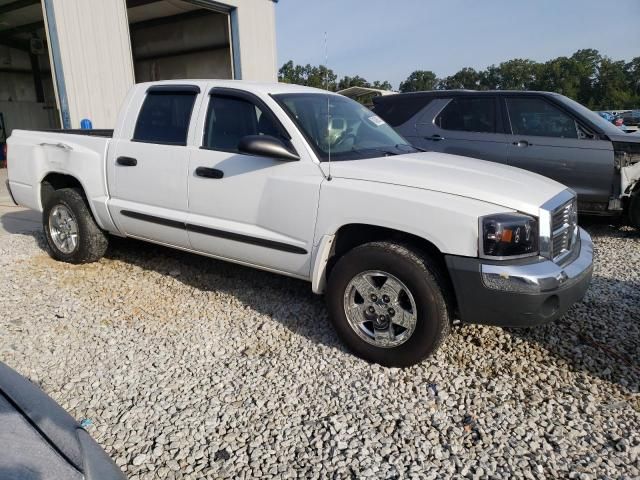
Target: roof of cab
255,87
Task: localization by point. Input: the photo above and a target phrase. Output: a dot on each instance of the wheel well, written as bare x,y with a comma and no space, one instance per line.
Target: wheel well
56,181
353,235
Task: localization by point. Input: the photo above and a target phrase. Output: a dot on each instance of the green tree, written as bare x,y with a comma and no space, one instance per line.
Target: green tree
419,80
312,76
558,75
466,78
611,89
517,74
382,85
357,81
490,78
632,72
290,73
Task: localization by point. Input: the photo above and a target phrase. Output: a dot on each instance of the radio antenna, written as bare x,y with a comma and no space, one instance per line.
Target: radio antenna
326,86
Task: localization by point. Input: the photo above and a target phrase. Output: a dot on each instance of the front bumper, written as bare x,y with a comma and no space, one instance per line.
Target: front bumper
520,293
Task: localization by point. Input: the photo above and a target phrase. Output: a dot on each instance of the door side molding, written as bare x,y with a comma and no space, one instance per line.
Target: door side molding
237,237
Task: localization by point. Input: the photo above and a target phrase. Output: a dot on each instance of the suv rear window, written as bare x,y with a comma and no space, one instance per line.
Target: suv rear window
398,109
469,115
164,118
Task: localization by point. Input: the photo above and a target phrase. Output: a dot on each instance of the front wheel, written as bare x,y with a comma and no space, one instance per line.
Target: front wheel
634,210
72,234
389,304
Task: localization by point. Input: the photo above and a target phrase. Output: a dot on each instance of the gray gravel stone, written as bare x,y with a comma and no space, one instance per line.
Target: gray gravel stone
192,368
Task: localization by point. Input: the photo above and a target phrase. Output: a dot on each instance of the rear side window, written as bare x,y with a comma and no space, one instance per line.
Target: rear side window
469,115
534,116
398,109
229,119
164,118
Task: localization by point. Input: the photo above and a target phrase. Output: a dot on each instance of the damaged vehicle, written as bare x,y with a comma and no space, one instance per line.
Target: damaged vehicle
542,132
310,184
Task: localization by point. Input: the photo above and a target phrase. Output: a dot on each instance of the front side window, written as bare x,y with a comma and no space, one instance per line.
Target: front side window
341,128
229,119
164,118
469,115
536,117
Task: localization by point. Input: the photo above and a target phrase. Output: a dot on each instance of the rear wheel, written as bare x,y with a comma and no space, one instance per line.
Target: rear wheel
72,234
389,303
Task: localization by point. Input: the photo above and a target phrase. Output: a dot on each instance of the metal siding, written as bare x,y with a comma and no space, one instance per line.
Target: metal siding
255,32
95,53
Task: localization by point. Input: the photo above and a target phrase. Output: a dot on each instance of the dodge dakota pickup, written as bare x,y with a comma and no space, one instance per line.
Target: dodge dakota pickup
312,185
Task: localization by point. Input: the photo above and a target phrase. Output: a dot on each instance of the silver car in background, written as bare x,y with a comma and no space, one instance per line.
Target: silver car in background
542,132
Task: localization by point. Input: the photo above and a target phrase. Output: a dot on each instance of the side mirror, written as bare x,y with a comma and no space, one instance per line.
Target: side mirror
266,146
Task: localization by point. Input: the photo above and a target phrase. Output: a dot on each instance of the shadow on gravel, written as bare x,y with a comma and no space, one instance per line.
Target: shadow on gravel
286,300
600,336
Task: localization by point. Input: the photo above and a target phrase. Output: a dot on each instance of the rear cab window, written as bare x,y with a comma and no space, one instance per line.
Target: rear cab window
165,115
469,114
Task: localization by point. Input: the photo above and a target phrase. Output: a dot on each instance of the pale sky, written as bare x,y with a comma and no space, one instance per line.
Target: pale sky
388,39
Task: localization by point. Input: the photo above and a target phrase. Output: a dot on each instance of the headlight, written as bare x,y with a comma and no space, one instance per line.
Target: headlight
509,235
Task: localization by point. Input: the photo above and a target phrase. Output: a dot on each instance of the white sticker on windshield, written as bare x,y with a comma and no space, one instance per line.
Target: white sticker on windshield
376,120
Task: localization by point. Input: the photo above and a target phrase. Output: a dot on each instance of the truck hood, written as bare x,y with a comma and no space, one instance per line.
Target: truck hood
510,187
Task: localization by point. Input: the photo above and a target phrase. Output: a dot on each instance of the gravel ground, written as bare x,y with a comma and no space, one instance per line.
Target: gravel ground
187,367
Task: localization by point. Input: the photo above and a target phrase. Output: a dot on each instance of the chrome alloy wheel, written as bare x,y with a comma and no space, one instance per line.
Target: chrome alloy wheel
380,309
63,228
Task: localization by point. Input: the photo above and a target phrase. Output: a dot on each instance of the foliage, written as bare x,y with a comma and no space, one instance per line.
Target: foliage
419,80
311,76
592,79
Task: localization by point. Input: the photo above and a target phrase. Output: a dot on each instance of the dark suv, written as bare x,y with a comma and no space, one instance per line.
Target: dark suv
542,132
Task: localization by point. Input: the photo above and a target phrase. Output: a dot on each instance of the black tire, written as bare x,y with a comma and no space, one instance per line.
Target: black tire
92,242
422,277
634,210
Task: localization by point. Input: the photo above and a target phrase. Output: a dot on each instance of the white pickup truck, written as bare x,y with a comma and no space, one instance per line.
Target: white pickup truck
310,184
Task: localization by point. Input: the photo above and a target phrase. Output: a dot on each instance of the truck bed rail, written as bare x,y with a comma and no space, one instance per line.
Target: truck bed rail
78,131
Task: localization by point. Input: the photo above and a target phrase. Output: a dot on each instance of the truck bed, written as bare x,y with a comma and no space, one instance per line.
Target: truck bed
80,154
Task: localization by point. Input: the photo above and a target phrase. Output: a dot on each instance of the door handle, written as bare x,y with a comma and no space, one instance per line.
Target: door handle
60,145
522,143
127,161
207,172
435,138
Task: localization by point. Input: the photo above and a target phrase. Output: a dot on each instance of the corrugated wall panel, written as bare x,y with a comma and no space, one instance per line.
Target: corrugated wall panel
95,54
257,34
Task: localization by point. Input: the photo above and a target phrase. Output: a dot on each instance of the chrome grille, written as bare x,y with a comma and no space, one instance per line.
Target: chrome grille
564,230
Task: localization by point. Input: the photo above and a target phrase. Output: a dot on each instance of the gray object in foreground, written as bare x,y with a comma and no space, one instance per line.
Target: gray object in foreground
39,440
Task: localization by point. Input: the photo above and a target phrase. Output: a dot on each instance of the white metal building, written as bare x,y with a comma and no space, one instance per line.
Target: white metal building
65,60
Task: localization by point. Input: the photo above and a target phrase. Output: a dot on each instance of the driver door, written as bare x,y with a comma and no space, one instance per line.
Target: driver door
252,209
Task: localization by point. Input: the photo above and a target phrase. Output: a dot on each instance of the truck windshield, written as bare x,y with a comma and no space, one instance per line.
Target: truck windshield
340,127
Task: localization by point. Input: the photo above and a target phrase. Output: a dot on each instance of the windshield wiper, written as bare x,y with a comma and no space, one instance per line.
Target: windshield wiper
418,149
387,151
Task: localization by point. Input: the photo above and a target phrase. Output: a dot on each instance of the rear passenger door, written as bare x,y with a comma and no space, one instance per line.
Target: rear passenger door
147,169
464,125
547,139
